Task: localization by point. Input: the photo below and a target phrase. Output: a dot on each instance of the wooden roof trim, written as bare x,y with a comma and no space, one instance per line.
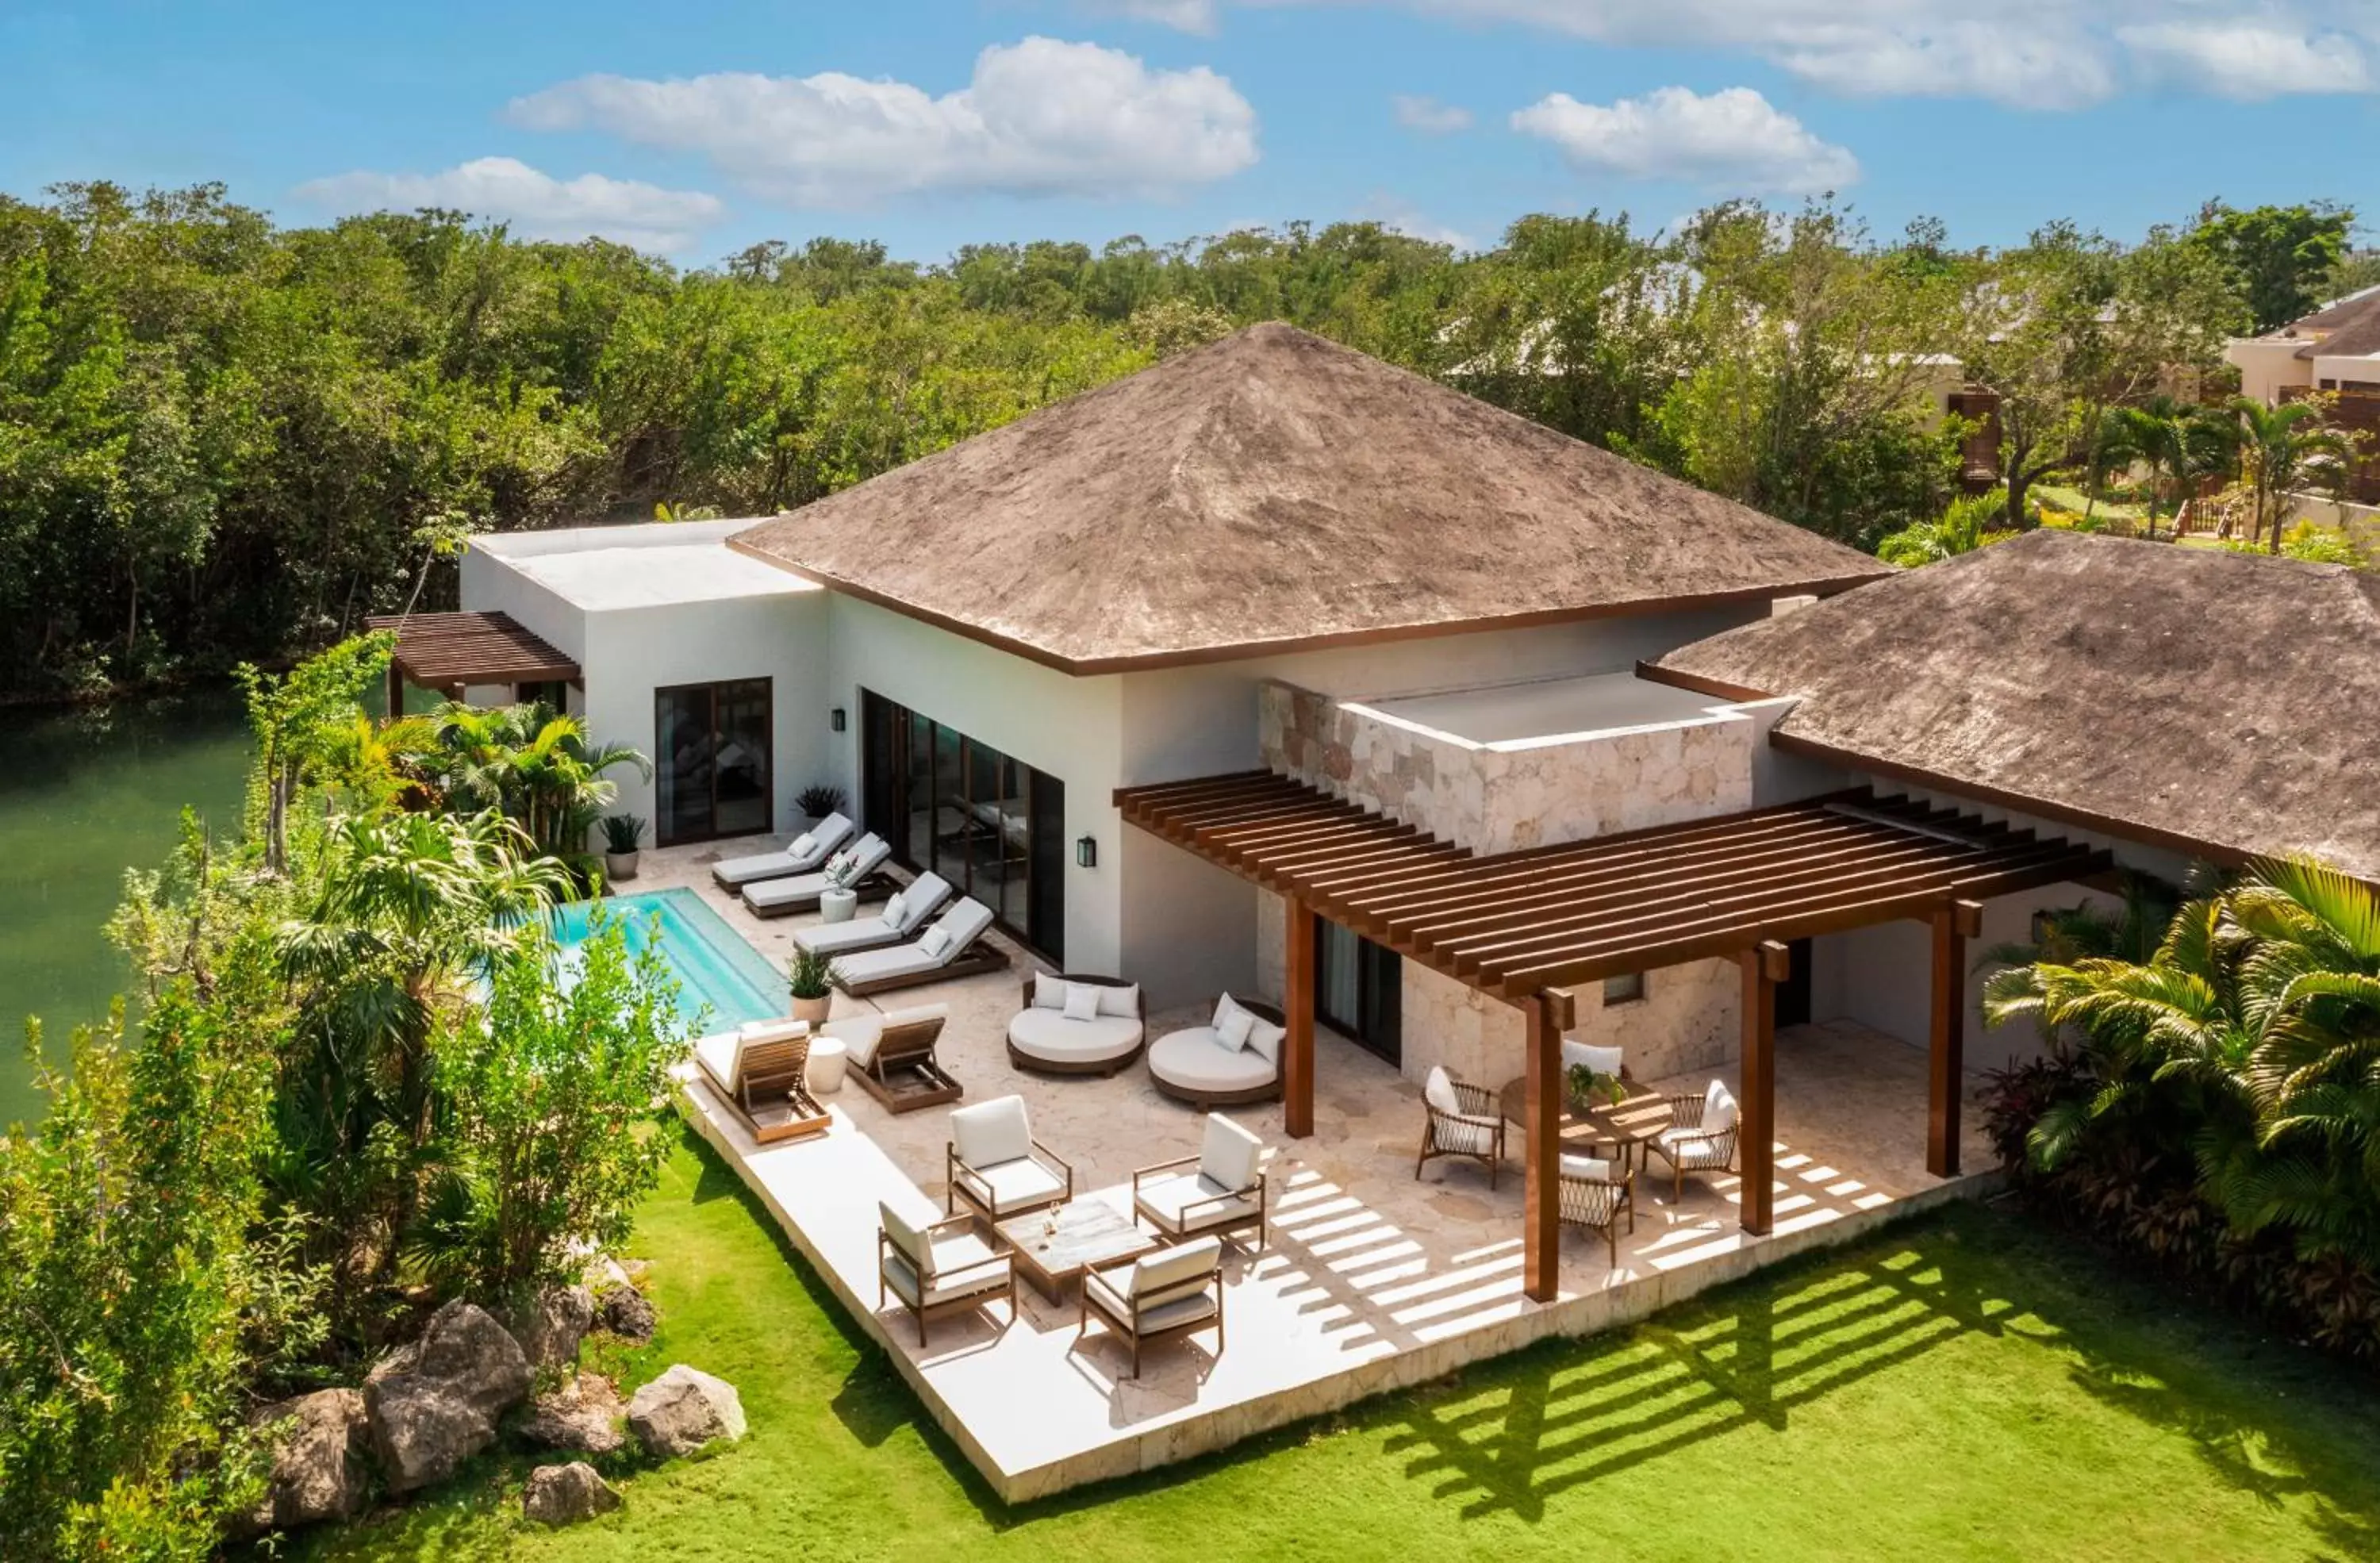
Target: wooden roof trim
440,650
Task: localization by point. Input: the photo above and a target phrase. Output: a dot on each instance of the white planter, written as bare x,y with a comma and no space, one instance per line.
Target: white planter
619,865
813,1010
837,905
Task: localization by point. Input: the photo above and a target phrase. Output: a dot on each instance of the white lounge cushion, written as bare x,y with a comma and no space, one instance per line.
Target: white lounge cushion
1264,1038
1229,1154
927,892
1592,1168
1014,1185
720,1055
1163,1284
866,856
1121,1002
1049,993
1196,1304
1690,1148
963,924
990,1133
823,838
1191,1202
1438,1090
859,1033
1719,1109
963,1264
1601,1060
1050,1036
1460,1133
1196,1062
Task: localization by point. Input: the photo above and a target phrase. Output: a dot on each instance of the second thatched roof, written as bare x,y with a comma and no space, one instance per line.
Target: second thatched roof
1272,492
2215,703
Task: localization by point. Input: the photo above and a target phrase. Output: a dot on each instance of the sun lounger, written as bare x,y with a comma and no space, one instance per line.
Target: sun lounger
805,853
761,1073
953,947
903,915
775,898
892,1056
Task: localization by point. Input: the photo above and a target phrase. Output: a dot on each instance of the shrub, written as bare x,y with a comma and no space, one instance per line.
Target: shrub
817,803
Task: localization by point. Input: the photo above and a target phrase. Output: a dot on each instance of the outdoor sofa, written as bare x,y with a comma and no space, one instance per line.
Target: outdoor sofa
953,946
803,853
1073,1023
1232,1060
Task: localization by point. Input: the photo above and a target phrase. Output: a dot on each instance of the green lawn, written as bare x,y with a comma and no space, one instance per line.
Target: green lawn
1963,1387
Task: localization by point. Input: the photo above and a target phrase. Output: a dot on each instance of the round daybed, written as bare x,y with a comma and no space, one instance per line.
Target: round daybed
1195,1066
1045,1039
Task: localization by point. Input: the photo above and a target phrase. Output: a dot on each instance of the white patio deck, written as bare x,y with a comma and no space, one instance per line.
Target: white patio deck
1373,1279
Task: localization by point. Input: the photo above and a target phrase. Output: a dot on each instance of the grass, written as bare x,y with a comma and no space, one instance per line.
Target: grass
1961,1387
2067,498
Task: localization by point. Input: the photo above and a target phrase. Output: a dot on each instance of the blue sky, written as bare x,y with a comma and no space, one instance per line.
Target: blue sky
696,129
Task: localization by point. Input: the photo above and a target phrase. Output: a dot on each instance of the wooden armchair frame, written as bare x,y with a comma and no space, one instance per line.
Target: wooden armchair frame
1482,1116
956,1192
1686,1112
928,1278
1598,1203
1259,1219
1094,1304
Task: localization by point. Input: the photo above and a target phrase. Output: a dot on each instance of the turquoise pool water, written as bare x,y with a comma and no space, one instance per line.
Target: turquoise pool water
714,967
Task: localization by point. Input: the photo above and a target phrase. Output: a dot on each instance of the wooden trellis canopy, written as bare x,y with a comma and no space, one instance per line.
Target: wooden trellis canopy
449,651
1520,924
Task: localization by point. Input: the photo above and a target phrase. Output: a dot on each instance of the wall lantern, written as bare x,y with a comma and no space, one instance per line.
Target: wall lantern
834,719
1086,853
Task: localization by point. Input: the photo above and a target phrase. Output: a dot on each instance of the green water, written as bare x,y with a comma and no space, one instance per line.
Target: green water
83,795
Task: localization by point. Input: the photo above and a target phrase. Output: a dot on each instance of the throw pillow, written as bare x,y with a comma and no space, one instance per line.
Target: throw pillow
1438,1090
893,908
934,941
1592,1168
1224,1009
1232,1030
1719,1109
1049,993
803,846
1082,1000
1264,1038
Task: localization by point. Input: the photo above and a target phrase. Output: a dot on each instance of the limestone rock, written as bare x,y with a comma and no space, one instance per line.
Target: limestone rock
581,1414
563,1495
314,1467
628,1313
684,1410
422,1429
466,1350
550,1328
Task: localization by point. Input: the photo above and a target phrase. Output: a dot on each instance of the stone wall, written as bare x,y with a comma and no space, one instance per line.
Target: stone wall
1690,1020
1476,1039
1494,798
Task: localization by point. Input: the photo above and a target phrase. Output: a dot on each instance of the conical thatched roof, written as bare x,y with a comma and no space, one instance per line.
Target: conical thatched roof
1274,491
2210,701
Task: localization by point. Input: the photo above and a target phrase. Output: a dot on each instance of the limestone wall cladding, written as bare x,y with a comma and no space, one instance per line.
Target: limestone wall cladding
1476,1039
1494,800
1690,1019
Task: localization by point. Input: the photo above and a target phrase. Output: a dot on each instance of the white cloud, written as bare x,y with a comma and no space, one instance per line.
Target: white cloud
1733,141
2026,54
537,204
1183,16
1039,117
1428,115
2250,60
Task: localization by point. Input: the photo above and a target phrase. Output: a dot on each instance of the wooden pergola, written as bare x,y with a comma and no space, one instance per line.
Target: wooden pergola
1525,928
449,652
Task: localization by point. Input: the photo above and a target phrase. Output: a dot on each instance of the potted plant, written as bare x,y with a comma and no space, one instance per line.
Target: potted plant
814,804
1587,1085
812,979
841,896
622,835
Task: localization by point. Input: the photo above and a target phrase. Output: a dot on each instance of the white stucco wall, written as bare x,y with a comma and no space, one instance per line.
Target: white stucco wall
2268,367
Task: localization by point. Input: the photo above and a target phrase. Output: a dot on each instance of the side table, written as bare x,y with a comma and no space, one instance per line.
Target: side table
837,905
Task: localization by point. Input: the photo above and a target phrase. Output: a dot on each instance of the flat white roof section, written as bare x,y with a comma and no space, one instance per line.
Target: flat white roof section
658,564
1547,709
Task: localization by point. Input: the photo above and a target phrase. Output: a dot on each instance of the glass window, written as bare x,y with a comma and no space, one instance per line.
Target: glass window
1623,989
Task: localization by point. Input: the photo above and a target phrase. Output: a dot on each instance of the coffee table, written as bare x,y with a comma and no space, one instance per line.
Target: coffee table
1090,1233
1626,1128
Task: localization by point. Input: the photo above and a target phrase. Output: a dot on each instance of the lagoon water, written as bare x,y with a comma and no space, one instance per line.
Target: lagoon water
85,794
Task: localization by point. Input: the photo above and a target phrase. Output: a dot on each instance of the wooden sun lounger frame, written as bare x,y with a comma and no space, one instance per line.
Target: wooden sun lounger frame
981,956
774,1100
902,1075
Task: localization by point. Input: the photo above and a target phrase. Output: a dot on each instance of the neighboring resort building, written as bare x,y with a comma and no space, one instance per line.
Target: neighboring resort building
2333,352
1274,669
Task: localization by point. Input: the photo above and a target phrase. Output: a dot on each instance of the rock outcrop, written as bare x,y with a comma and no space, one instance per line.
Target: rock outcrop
565,1494
626,1313
582,1414
433,1404
683,1410
551,1328
316,1473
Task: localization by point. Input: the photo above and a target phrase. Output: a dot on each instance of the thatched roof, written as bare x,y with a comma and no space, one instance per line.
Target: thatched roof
1275,490
2213,702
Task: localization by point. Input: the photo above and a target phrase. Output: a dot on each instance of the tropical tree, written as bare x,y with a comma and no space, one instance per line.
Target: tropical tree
2178,443
2283,450
1965,527
529,764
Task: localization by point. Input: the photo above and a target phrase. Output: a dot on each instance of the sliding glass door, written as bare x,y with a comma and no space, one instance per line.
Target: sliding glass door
1359,989
711,761
991,825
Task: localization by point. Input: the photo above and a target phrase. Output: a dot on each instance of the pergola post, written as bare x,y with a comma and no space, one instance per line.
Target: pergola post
1540,1153
1954,924
1764,965
1297,1010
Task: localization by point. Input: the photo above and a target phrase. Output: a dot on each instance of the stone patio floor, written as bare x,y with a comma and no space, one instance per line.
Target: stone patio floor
1373,1279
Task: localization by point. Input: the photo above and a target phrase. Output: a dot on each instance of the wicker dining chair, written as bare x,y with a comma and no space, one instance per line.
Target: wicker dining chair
1464,1120
1687,1147
1596,1195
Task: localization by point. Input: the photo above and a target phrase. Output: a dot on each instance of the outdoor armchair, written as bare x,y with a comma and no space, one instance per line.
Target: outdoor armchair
939,1269
995,1167
1701,1137
1595,1195
1166,1295
1220,1190
1464,1120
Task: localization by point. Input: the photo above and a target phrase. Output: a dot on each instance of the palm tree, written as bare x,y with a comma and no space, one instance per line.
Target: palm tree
2284,449
2178,442
534,767
2251,1036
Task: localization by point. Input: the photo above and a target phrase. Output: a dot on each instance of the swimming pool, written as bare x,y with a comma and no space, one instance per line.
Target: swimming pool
712,963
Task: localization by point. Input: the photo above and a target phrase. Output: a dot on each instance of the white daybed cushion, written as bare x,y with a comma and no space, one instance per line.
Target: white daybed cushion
797,858
1049,1036
1603,1060
1196,1061
803,890
961,924
990,1133
1719,1109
